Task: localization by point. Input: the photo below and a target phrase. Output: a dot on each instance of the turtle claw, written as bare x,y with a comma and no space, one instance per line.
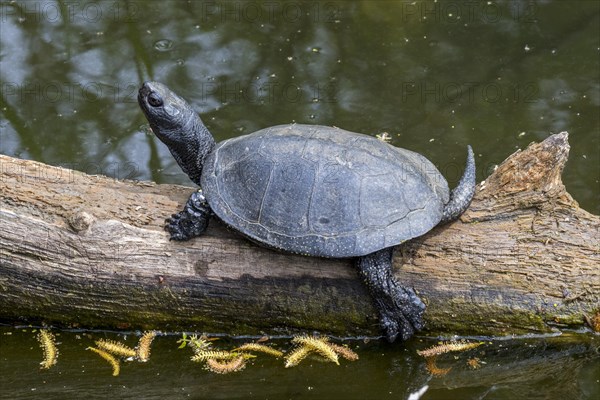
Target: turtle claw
390,328
175,225
400,309
191,221
401,313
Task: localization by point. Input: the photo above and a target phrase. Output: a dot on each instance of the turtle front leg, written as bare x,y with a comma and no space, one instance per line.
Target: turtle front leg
400,309
192,221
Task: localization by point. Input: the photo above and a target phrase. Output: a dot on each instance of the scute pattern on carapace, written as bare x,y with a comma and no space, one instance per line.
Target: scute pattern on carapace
323,191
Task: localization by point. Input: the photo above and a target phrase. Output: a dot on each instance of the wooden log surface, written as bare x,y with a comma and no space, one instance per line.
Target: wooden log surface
90,251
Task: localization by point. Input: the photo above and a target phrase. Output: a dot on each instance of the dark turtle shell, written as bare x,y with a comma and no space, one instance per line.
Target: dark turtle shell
322,191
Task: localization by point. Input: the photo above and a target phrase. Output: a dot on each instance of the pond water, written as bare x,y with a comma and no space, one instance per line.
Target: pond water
564,367
436,76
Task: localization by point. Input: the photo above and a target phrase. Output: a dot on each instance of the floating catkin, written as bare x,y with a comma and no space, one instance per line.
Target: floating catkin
204,355
143,347
108,357
48,344
116,348
237,364
446,348
433,368
260,348
320,345
297,355
344,351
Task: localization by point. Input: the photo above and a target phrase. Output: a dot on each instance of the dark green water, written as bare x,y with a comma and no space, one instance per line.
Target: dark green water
436,76
566,367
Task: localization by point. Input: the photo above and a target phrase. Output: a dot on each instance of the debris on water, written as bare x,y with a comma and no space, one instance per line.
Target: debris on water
108,357
235,365
384,137
474,363
448,347
433,368
261,348
319,345
116,348
48,344
142,350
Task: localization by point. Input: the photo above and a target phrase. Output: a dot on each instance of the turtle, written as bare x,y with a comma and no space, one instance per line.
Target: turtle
312,190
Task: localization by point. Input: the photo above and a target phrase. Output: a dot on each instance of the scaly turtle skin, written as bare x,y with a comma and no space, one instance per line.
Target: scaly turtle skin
312,190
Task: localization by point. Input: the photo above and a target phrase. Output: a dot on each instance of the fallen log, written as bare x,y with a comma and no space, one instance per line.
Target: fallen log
90,251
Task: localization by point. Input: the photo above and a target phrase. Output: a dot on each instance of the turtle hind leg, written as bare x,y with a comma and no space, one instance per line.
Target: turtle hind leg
400,309
192,220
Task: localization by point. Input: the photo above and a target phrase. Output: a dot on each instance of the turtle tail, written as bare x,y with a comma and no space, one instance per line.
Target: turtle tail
461,196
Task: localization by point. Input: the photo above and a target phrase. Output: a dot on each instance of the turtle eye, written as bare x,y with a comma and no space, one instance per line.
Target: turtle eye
155,100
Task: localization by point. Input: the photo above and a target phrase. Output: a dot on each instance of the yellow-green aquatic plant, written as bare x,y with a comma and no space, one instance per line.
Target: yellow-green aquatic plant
261,348
447,347
142,350
344,351
116,348
196,343
320,345
234,365
108,357
433,368
205,355
297,355
48,344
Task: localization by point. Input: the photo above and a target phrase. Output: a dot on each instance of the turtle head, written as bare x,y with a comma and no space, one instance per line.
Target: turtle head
178,126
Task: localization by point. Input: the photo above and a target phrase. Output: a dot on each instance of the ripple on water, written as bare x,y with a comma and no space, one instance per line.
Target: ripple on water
163,45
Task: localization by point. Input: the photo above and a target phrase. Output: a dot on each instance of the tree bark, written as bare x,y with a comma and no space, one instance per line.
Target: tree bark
90,251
